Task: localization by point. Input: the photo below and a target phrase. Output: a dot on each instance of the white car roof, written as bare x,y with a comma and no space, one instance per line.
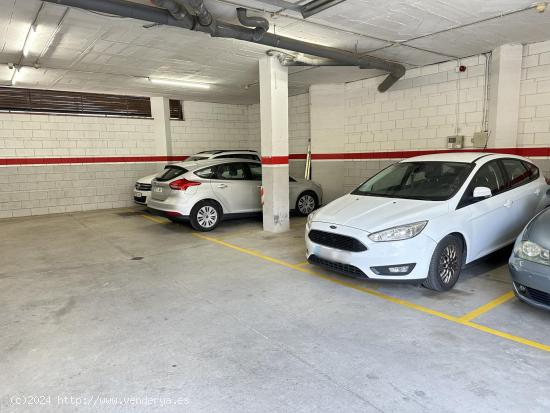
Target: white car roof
467,157
191,165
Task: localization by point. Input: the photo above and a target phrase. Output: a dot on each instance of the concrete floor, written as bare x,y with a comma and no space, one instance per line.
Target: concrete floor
102,307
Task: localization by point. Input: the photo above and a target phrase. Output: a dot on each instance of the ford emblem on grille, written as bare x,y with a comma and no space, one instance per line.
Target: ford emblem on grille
333,226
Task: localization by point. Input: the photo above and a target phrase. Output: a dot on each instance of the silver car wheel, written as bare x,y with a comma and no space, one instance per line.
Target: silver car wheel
448,264
207,216
306,204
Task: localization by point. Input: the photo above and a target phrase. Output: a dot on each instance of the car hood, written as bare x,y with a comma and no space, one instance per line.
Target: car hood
146,179
371,214
539,229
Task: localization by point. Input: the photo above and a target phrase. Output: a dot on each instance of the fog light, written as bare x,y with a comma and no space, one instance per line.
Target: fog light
522,288
402,269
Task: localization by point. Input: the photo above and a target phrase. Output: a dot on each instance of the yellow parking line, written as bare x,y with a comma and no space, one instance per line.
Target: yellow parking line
348,284
302,263
487,307
155,219
383,296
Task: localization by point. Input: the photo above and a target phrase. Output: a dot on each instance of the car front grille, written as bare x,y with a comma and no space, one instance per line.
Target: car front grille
143,187
537,295
345,269
341,242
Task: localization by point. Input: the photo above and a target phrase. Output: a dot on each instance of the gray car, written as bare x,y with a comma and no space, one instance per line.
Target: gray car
530,262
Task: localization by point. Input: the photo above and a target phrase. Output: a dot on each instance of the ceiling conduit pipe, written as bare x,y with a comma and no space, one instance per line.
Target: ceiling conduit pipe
208,24
260,24
178,11
205,19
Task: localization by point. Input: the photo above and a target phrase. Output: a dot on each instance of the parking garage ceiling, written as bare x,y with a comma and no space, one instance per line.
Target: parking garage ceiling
84,51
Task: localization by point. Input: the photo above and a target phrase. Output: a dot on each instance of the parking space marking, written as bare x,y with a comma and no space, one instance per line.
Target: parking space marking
487,307
302,263
404,303
155,219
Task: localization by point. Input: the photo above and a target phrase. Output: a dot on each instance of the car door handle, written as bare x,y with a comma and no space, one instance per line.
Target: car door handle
508,204
222,185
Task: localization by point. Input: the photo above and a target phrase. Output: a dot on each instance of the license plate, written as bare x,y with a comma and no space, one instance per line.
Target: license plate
137,194
158,189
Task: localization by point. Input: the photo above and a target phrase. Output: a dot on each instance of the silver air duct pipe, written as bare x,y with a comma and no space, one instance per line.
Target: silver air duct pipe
204,22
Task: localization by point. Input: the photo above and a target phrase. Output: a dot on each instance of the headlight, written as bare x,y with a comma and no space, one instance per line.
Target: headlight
399,233
531,251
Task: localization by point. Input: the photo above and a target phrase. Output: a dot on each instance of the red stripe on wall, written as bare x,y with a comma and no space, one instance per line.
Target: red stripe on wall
543,152
275,160
97,159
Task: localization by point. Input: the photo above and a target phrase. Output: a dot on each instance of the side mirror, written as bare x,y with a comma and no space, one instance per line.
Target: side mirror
482,192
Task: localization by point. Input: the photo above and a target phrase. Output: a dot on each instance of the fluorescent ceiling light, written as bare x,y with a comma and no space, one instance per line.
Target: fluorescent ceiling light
179,83
31,37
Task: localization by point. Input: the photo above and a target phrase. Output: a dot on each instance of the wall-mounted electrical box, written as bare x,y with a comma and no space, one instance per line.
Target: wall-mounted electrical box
479,140
455,142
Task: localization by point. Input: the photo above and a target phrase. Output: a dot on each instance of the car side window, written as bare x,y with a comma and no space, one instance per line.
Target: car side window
255,171
232,171
533,171
490,176
517,173
207,173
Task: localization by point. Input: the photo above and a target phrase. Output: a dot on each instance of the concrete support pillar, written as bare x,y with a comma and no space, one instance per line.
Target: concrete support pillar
504,91
160,110
274,143
327,111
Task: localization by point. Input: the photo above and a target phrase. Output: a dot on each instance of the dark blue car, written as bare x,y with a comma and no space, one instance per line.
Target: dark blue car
530,262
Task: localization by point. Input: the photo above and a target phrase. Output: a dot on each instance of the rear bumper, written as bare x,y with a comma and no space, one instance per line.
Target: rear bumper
531,282
168,214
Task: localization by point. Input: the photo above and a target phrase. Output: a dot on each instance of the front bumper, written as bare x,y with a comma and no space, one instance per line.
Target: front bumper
141,197
531,282
417,251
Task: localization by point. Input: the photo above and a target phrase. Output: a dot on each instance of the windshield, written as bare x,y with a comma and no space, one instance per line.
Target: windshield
196,158
431,181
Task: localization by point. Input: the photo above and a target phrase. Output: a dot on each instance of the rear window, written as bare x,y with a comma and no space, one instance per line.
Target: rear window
533,171
170,172
518,174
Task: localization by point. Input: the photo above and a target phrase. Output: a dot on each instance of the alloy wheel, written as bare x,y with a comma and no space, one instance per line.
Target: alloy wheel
448,264
207,216
306,204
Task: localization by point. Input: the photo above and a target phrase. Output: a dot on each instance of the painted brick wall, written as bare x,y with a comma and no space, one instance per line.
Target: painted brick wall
298,129
42,189
211,126
534,117
419,112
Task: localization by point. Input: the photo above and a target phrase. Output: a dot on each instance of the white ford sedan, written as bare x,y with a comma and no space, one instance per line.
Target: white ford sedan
425,217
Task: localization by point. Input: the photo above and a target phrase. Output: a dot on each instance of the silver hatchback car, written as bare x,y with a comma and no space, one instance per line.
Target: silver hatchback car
205,192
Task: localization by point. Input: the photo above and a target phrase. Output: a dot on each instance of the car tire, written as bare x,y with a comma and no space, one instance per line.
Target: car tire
306,203
445,265
205,216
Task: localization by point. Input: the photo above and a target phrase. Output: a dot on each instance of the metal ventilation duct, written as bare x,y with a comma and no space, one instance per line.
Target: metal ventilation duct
193,15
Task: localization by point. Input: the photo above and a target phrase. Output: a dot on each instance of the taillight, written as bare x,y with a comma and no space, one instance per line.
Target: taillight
182,184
